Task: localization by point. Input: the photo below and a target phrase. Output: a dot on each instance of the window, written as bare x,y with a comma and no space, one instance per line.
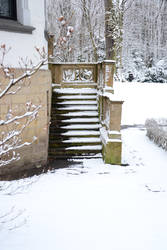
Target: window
15,16
8,9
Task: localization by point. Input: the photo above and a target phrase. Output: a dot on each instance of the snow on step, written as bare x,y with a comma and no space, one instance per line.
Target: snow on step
84,84
83,113
77,103
81,107
80,120
97,155
75,91
85,97
81,126
98,147
82,140
83,132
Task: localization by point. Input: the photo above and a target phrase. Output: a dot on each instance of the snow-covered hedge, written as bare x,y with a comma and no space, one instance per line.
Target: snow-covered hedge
157,131
137,68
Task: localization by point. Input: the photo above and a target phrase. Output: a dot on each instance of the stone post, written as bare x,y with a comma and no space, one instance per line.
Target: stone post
56,71
108,73
110,131
113,149
50,46
115,115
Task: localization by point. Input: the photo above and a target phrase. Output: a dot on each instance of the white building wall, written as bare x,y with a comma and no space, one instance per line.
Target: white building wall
31,12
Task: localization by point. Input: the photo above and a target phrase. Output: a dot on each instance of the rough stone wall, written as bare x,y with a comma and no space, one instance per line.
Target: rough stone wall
38,91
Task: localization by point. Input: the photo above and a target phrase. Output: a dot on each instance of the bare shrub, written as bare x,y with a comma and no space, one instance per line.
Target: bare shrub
157,131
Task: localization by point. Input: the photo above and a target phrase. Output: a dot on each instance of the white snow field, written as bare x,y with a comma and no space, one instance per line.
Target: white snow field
142,101
93,206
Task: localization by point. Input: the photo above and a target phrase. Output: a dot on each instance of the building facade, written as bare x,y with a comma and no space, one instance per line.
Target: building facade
22,28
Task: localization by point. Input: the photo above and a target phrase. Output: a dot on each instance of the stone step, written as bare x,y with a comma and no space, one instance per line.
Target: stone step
66,111
74,108
76,97
75,133
77,102
79,85
64,99
59,157
76,127
80,126
63,106
78,121
75,150
61,137
77,114
78,140
74,142
62,130
66,91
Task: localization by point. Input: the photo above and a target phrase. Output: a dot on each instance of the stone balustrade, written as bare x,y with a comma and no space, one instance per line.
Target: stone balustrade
66,73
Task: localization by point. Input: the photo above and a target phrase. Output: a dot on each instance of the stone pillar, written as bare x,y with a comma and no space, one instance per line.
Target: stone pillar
115,115
110,132
50,46
112,152
108,73
113,148
56,72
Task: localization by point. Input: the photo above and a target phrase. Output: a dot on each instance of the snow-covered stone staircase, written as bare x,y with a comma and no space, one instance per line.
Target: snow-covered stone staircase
74,129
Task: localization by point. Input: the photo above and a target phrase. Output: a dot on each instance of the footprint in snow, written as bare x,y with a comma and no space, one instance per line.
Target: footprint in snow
154,188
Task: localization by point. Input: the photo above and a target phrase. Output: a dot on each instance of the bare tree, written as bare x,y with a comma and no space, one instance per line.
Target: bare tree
144,37
61,25
114,19
93,20
87,19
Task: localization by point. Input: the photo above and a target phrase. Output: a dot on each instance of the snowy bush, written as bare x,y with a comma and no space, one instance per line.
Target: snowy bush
155,74
157,131
144,70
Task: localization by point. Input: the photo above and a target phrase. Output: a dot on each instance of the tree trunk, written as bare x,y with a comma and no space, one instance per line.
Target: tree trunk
110,51
86,14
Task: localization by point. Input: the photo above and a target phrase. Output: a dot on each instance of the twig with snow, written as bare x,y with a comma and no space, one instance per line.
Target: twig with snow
13,125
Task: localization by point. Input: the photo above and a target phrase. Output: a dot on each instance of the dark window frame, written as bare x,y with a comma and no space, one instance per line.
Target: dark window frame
10,23
12,11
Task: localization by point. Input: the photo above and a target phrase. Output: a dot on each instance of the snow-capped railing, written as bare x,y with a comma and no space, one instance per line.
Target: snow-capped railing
100,73
67,73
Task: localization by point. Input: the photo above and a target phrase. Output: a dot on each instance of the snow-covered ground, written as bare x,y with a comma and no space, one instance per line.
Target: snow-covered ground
91,205
142,101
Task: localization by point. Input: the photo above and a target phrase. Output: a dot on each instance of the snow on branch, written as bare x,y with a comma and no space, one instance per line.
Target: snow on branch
14,123
18,117
8,73
12,139
63,43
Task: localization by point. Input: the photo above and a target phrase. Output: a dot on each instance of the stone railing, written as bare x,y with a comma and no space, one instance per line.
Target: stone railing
101,73
110,108
67,73
110,117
